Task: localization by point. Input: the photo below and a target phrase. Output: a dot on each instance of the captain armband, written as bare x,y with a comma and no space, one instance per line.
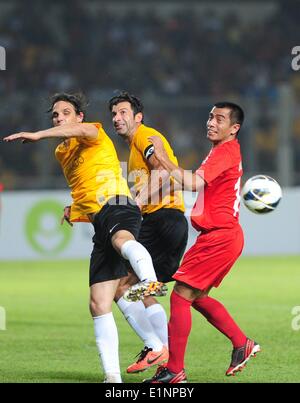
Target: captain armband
149,151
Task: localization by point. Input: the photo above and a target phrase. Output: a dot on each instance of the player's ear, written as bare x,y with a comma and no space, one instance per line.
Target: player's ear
138,117
80,117
235,128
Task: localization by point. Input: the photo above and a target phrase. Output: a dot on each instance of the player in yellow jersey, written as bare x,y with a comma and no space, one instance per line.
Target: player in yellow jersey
100,195
164,230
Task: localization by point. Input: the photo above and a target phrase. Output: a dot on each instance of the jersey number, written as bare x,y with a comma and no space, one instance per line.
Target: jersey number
236,205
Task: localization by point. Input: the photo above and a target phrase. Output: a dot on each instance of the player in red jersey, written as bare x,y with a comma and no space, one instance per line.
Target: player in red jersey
216,215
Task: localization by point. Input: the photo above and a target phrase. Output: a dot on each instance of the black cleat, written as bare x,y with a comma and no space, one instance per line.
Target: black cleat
164,375
241,355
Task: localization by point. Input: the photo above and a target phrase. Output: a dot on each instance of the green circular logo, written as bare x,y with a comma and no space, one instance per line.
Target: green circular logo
43,229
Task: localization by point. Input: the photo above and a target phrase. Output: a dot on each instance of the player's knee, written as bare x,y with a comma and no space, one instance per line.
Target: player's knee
124,284
149,301
98,308
186,291
121,291
120,238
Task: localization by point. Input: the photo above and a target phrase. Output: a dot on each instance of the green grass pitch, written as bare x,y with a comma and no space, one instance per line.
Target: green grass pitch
49,335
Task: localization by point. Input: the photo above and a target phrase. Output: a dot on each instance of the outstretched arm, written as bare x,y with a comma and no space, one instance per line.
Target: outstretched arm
186,179
86,130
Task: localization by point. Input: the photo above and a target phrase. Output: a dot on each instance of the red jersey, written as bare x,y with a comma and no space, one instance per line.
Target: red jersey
217,206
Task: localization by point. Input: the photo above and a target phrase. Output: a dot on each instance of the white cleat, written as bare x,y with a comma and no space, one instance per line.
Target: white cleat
144,289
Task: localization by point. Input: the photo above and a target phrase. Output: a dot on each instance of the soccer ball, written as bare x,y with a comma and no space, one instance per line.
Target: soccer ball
261,194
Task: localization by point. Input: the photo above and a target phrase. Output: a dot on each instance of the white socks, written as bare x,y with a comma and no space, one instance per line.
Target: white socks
159,321
140,260
150,324
107,341
135,314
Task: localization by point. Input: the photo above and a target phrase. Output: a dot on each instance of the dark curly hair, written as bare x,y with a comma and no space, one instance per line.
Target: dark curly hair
78,100
124,96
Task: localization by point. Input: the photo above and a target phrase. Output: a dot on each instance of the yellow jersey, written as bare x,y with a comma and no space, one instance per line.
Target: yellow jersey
93,172
140,150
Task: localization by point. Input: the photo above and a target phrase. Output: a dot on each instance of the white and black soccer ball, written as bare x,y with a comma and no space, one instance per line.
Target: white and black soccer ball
261,194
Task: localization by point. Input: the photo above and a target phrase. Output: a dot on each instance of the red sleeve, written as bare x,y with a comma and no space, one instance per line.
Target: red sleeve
1,187
217,162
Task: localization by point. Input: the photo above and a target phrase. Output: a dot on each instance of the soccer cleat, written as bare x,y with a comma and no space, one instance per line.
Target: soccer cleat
164,375
241,355
159,369
147,359
144,289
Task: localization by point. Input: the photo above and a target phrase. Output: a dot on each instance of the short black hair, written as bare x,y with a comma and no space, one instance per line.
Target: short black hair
124,96
78,100
236,112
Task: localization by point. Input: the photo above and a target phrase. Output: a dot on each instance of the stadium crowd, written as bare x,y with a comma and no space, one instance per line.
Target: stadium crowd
180,57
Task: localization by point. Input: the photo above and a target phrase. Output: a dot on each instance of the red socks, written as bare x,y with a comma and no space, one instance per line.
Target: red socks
218,316
179,329
181,322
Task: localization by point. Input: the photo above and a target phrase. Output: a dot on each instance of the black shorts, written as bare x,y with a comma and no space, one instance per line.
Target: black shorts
121,214
164,234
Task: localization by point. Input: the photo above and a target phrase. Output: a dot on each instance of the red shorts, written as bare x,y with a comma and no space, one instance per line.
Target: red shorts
207,262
